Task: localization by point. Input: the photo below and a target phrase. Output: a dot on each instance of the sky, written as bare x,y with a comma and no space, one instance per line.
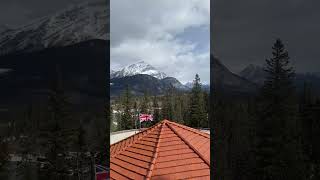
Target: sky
244,32
171,35
15,13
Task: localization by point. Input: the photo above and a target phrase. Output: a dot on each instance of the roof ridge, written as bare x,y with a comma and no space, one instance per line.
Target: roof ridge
191,129
134,141
144,130
155,155
193,148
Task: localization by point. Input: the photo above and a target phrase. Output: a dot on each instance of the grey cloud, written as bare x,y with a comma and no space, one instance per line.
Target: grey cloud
154,31
244,31
18,12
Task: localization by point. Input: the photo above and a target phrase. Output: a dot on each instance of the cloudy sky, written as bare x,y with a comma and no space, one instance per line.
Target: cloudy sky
15,13
244,31
171,35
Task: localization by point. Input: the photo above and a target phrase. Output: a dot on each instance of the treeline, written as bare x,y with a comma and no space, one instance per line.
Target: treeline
58,146
190,109
270,136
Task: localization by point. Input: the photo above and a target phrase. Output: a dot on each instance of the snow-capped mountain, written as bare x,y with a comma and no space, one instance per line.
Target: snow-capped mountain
189,84
254,73
138,68
226,81
76,24
204,86
112,73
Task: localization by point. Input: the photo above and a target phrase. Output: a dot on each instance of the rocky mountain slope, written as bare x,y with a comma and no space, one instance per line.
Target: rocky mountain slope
226,81
73,25
140,67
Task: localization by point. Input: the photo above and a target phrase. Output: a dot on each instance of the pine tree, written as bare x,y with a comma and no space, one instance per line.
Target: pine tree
145,104
106,139
4,154
59,104
277,149
171,103
198,116
207,101
81,148
59,108
185,105
178,116
156,112
126,118
165,106
309,119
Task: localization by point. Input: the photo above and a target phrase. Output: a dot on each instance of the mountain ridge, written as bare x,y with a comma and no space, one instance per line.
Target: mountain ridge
256,74
140,67
82,22
141,83
226,81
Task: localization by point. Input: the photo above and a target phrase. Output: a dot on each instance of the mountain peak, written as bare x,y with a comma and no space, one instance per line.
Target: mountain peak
140,67
226,80
253,73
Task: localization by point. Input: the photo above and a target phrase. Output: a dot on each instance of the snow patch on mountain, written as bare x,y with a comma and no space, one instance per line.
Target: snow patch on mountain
138,68
203,85
76,24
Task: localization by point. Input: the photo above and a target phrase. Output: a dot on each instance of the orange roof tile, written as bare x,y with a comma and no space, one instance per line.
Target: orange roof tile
167,150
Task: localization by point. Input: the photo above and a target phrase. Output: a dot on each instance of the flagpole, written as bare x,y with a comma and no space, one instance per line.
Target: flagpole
139,121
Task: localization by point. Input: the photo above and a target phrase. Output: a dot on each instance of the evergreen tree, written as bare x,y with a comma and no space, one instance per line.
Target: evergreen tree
171,103
59,108
278,152
198,117
4,154
165,106
309,117
81,149
185,105
27,146
178,116
156,112
59,104
145,104
168,104
206,101
106,140
126,118
117,114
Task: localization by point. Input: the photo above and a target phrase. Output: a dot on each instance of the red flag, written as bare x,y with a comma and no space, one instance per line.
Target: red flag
145,117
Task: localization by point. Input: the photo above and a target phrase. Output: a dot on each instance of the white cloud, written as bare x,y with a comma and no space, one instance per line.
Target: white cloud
147,30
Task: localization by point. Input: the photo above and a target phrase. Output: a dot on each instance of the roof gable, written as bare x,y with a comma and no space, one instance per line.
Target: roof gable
166,150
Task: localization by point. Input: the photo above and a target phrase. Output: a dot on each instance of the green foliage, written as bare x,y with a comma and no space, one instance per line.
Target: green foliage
145,104
278,150
198,115
59,105
126,117
156,111
58,138
172,105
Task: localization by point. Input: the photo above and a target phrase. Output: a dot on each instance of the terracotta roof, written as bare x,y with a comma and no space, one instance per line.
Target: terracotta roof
164,151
